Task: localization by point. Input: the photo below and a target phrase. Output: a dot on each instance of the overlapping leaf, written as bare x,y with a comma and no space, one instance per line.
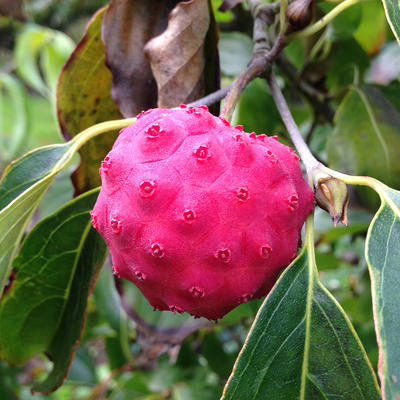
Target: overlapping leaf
84,99
54,270
383,257
302,345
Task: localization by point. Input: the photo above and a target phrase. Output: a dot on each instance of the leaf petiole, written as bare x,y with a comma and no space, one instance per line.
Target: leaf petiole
380,188
321,23
79,140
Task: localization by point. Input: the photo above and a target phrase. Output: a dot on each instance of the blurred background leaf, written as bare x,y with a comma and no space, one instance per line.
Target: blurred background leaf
39,45
366,139
12,93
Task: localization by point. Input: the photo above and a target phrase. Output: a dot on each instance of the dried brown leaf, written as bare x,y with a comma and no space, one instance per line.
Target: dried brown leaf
127,26
179,56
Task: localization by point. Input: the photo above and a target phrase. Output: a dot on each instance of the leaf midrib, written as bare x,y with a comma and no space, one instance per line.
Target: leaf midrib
262,335
310,295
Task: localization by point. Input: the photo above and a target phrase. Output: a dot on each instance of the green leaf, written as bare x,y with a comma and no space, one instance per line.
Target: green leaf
251,111
302,345
295,52
366,138
218,360
83,369
27,48
348,62
235,50
383,257
221,16
108,303
107,299
371,32
392,12
84,99
25,182
391,92
53,58
51,47
21,188
55,270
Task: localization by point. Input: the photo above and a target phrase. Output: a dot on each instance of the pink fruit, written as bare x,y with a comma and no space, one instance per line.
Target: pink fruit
200,215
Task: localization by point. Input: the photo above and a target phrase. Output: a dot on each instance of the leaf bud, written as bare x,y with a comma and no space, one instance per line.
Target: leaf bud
332,196
299,13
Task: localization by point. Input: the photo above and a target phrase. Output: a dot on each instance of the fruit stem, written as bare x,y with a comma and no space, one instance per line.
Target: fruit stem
310,162
321,23
83,137
95,130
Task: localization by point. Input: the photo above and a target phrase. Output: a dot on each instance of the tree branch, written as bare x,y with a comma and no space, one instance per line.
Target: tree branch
155,341
258,65
263,55
98,391
211,98
307,157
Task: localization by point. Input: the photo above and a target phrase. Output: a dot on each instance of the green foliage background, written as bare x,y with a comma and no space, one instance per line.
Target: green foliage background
354,68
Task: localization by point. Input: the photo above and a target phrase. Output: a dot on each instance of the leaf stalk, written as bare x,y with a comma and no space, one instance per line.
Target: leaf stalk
321,23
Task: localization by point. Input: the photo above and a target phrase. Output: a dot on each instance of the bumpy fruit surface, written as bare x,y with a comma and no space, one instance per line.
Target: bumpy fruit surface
200,215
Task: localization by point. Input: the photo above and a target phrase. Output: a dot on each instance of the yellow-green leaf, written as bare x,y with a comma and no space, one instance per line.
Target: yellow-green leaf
84,99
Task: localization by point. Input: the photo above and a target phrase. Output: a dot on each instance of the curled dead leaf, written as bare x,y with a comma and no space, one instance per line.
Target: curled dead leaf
127,26
178,56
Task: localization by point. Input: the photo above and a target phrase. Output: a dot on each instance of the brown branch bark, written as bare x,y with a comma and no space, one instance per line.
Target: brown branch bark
155,341
263,55
257,67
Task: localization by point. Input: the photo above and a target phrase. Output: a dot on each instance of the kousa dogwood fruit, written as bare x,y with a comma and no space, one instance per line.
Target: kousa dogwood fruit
198,214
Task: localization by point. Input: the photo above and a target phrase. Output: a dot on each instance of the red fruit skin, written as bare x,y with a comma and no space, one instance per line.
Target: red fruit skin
198,214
